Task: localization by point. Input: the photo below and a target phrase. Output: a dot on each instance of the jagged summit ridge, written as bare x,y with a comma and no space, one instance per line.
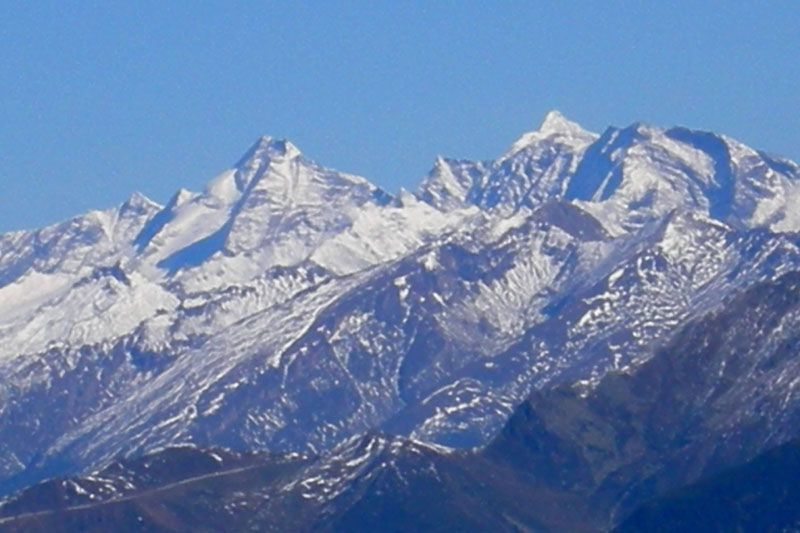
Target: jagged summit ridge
290,306
553,125
139,200
555,122
268,147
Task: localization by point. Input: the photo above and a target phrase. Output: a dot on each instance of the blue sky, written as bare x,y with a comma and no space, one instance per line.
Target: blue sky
99,99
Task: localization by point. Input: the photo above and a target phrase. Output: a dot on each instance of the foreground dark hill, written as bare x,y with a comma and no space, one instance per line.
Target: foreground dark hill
717,394
371,483
178,489
762,495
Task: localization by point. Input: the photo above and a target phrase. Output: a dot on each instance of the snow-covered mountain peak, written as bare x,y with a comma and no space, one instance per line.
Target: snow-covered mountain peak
265,154
138,200
636,175
289,305
536,169
404,197
280,171
268,147
448,183
554,125
183,195
440,164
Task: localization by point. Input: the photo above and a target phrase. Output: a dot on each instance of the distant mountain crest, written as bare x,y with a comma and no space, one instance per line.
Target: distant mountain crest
289,306
267,147
554,124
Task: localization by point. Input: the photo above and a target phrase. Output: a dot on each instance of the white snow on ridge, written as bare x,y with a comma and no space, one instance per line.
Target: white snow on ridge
229,282
383,233
554,125
29,292
277,208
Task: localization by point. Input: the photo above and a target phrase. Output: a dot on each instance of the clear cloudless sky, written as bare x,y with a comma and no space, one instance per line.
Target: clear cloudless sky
102,98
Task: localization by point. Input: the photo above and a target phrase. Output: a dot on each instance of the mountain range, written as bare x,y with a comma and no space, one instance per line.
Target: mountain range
545,341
